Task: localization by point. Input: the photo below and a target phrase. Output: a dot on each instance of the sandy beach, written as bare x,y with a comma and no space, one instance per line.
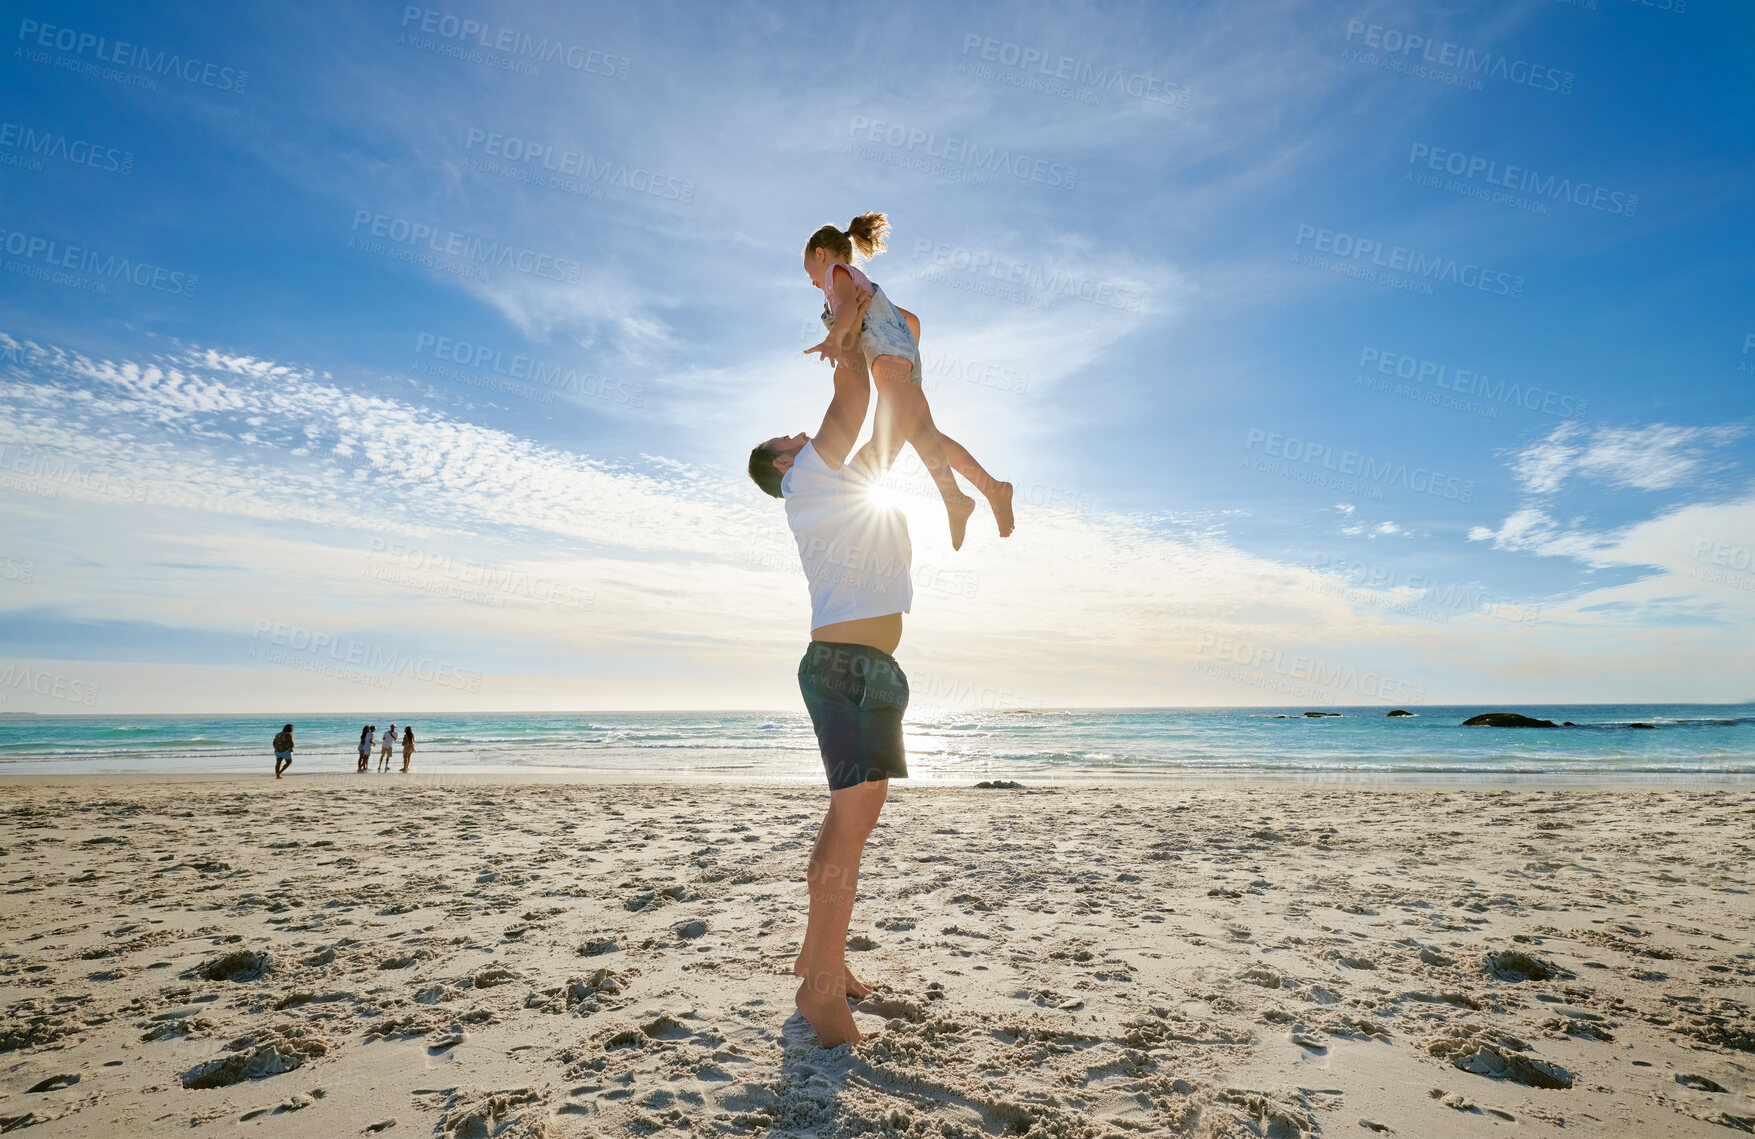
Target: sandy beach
345,955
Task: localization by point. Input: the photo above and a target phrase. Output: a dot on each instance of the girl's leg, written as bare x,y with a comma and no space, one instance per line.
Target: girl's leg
998,494
913,420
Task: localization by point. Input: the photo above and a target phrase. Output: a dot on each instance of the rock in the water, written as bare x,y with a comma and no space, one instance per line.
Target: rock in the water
1316,715
1647,727
1506,720
1398,712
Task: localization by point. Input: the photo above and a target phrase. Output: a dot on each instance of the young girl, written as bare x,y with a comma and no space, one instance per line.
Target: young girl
890,339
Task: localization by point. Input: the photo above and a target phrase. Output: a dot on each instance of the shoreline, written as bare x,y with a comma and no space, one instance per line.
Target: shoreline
442,777
1382,710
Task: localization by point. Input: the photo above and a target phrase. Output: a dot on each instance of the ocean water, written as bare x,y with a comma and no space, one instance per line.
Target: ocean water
1686,741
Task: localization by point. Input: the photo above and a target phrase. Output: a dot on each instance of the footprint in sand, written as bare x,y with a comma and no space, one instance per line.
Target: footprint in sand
265,1052
241,967
891,1008
56,1083
1515,967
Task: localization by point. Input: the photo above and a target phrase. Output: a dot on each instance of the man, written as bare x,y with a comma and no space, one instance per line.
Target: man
857,557
389,746
283,749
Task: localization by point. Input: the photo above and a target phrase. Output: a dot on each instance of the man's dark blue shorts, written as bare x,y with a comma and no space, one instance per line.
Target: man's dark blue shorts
856,695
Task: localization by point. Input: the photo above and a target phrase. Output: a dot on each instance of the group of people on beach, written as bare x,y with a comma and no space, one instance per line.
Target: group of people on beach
368,738
283,748
857,559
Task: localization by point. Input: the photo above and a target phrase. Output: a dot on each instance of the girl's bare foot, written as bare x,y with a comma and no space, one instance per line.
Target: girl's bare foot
856,988
828,1014
1001,501
959,508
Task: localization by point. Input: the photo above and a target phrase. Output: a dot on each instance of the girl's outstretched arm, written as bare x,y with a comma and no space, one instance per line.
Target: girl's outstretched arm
849,307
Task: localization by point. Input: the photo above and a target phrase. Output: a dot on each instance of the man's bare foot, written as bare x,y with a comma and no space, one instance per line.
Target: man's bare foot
1001,501
856,988
959,508
828,1014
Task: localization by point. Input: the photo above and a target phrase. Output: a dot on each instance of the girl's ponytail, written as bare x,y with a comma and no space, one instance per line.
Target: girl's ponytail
866,233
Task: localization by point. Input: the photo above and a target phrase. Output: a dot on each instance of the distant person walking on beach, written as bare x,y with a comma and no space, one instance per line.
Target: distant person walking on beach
389,746
857,559
407,748
365,747
283,749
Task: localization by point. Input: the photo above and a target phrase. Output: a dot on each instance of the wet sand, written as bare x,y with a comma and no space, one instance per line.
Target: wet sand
345,955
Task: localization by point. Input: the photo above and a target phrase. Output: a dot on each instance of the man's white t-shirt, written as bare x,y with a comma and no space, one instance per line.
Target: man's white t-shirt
855,550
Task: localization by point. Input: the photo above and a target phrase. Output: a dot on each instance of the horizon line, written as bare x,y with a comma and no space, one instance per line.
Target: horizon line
952,707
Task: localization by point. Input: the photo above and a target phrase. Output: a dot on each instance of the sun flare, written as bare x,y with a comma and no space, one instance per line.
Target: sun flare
885,497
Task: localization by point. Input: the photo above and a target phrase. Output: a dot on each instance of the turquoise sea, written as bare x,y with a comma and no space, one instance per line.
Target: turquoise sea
1684,742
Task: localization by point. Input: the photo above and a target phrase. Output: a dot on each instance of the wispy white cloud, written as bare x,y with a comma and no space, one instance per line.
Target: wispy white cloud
224,452
1672,550
1657,457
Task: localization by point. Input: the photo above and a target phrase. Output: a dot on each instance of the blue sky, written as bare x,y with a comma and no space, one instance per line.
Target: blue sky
1386,353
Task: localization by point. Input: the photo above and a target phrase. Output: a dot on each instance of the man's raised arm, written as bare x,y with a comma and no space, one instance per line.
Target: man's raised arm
880,451
841,423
